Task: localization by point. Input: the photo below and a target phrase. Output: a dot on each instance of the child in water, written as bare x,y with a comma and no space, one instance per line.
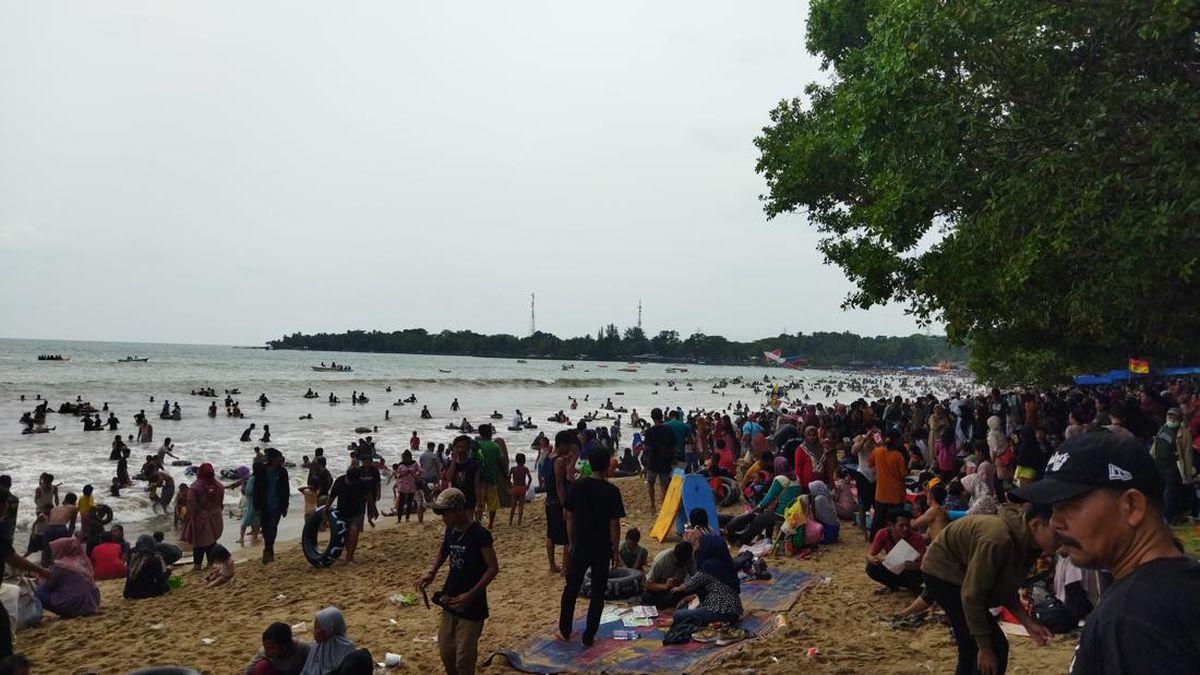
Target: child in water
222,572
521,481
87,502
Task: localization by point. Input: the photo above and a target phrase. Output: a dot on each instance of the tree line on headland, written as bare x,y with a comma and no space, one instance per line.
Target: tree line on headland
610,343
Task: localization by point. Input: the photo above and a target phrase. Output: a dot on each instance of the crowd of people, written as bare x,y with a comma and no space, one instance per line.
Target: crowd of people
1053,505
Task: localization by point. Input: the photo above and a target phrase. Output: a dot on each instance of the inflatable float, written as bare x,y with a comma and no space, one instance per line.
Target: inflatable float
103,513
337,538
623,583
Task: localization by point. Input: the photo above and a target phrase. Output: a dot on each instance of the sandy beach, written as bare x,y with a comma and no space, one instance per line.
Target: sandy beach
839,618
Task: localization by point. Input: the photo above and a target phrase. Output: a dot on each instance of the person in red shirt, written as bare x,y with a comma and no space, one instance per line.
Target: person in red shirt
899,527
107,561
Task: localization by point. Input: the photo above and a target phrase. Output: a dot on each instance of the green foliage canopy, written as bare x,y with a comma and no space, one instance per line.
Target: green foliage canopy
1024,171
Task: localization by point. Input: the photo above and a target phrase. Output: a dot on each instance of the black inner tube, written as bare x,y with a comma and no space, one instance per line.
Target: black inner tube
337,537
103,513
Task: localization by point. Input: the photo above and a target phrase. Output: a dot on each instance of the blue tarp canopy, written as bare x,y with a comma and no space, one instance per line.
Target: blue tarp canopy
1114,376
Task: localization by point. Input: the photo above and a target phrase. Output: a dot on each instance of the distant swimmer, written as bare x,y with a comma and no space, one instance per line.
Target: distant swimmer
454,406
306,417
113,422
496,415
266,437
263,400
246,434
425,414
212,409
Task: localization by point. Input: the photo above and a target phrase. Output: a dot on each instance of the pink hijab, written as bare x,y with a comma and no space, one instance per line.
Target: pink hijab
68,554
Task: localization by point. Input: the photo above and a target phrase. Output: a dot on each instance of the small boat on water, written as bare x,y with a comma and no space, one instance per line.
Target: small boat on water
522,361
568,366
332,368
57,358
133,359
628,369
442,370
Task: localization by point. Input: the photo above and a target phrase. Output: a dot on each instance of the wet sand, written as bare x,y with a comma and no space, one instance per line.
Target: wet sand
839,618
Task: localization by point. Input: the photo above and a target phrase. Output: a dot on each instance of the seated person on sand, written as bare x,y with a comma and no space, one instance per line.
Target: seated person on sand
716,585
281,654
222,570
744,529
148,574
899,527
169,552
71,589
108,560
669,570
931,522
633,554
753,478
331,646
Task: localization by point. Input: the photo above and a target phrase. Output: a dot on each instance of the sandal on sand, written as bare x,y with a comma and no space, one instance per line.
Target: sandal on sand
706,634
730,635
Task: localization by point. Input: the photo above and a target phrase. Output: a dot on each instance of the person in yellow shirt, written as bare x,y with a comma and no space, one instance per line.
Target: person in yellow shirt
87,502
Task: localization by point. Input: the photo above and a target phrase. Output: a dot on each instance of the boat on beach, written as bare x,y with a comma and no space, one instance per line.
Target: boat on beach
133,359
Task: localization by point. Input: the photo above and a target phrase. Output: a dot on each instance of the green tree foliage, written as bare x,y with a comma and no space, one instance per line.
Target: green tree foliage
1024,171
823,349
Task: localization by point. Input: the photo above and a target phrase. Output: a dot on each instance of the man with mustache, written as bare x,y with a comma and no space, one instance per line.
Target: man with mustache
1107,495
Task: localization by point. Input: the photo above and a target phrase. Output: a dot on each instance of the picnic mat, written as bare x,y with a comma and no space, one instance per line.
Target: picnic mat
544,652
778,593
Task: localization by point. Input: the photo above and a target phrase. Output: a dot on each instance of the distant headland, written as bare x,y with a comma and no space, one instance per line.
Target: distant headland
822,349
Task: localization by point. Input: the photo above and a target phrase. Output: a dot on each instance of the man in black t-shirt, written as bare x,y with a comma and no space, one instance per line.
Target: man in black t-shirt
1108,514
468,547
594,510
351,492
659,455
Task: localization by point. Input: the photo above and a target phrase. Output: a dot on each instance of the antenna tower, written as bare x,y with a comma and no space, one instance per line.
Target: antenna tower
639,313
532,314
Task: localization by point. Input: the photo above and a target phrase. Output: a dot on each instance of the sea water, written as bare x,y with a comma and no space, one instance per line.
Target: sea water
539,388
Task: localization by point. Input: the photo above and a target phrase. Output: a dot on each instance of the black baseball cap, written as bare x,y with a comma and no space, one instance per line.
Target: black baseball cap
1098,459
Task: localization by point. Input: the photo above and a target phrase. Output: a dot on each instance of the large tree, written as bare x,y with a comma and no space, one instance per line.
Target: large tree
1025,171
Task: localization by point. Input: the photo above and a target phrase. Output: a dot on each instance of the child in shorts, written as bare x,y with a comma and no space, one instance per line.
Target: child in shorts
521,481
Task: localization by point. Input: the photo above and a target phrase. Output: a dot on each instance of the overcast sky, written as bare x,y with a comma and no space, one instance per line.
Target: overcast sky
227,172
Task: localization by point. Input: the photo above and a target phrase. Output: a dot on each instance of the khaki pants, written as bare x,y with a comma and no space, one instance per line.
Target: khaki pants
458,643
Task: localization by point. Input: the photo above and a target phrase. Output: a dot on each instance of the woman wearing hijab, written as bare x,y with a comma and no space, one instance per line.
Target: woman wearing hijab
715,583
981,487
331,647
203,527
824,510
148,573
70,590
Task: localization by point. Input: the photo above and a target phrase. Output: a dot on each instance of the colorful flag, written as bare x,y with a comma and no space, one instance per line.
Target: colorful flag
1140,366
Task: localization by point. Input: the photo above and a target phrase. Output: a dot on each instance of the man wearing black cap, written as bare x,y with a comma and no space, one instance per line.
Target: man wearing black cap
1108,514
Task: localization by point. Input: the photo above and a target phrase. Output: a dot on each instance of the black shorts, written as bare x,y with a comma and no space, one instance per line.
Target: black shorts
556,526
